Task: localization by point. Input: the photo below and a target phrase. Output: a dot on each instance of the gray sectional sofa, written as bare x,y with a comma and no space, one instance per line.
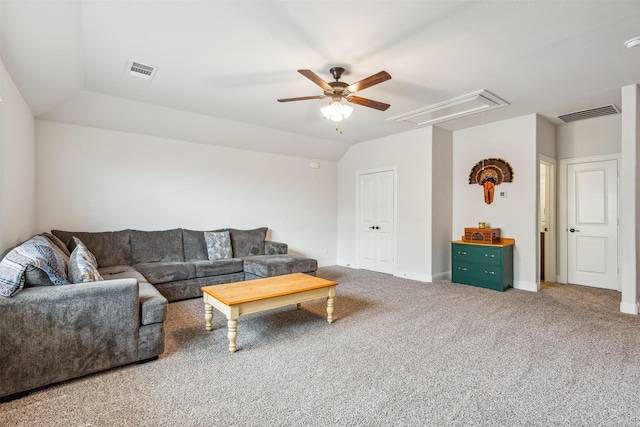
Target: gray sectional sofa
50,334
176,261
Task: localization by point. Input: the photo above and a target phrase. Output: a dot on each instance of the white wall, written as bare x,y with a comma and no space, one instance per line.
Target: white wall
591,137
629,199
441,203
17,167
91,179
546,137
516,215
410,152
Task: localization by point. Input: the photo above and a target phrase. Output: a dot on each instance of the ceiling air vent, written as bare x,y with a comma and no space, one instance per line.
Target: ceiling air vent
142,71
588,114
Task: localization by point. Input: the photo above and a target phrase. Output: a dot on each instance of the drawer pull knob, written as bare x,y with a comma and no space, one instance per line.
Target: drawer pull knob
490,255
490,272
461,253
462,268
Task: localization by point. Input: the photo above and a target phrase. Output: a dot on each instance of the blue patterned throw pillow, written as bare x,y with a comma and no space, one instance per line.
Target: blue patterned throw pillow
218,245
83,266
37,252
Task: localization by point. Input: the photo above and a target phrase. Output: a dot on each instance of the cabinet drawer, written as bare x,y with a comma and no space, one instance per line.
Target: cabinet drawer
477,253
477,272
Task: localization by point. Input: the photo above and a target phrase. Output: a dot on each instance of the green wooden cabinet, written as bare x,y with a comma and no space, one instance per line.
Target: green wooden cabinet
484,265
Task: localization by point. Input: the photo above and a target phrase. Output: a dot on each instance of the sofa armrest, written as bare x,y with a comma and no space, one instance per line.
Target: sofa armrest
275,248
54,333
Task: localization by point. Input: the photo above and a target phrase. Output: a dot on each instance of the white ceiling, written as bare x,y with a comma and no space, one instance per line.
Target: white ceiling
222,63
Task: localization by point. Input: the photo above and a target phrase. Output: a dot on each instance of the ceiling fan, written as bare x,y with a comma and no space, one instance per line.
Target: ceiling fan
338,90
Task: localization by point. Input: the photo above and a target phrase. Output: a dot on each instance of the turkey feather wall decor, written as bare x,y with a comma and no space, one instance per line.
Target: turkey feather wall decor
490,172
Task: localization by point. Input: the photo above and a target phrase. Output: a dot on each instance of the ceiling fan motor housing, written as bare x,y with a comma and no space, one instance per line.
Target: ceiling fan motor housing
338,89
336,72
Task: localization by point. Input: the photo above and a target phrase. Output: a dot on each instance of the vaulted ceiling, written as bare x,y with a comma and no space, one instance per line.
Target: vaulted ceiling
222,64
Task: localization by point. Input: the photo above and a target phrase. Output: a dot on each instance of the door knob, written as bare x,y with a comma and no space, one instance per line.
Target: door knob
377,228
573,230
372,227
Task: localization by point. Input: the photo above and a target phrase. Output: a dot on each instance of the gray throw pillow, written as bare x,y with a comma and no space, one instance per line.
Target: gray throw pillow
83,266
59,244
218,245
247,242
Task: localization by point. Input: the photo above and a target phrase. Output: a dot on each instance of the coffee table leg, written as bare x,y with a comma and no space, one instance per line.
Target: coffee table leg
208,316
332,293
232,326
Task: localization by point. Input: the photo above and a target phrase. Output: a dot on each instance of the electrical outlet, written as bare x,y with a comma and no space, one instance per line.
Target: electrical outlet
502,194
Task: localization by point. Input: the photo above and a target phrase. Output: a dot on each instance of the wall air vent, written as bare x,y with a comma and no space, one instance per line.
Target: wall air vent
461,106
588,114
142,71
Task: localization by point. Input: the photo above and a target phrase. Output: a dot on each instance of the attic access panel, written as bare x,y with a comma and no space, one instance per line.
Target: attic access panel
465,105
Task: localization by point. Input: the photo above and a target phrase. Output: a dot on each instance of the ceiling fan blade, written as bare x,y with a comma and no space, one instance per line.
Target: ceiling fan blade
368,103
380,77
302,98
316,79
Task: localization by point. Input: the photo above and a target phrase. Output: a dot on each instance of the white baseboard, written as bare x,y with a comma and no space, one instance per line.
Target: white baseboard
441,276
413,276
629,308
326,262
347,263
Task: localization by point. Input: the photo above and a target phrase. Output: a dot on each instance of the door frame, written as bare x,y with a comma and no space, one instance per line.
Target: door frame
393,169
550,271
563,210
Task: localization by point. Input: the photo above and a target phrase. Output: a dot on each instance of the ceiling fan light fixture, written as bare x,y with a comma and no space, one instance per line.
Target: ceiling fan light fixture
336,112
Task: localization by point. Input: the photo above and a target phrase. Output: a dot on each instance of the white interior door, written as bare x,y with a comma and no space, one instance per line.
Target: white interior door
376,222
592,235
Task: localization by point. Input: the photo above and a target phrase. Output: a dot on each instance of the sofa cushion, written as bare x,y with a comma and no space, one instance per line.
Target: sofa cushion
156,246
277,265
109,247
161,272
275,248
218,245
195,247
216,268
121,272
83,266
248,242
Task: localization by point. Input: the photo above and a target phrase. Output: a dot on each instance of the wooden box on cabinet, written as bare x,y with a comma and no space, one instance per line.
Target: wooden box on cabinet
485,265
481,235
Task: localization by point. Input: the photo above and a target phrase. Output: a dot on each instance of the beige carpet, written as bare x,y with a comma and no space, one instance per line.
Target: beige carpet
400,353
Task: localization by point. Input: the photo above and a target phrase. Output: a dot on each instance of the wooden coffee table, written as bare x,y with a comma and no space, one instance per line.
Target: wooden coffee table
252,296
